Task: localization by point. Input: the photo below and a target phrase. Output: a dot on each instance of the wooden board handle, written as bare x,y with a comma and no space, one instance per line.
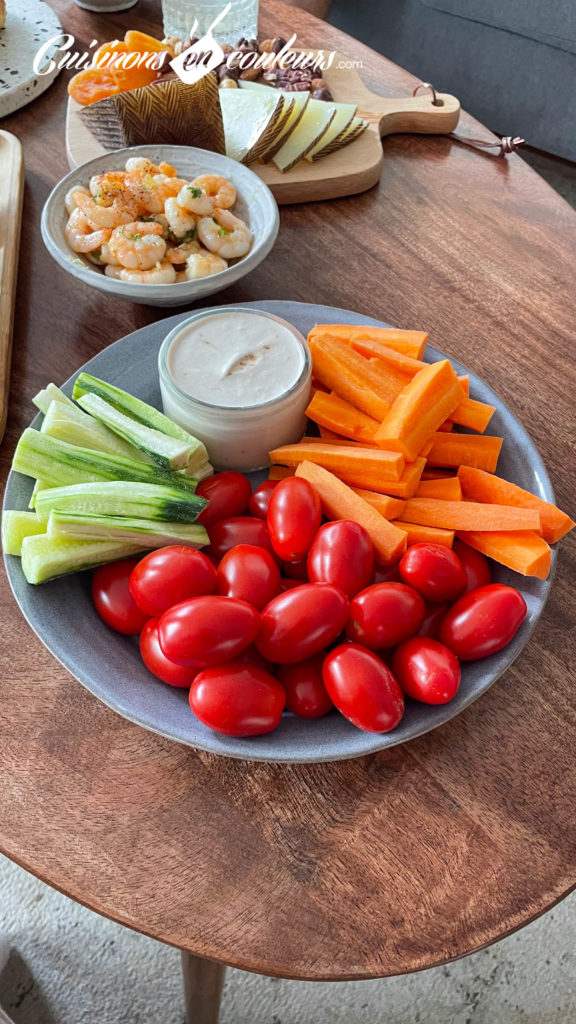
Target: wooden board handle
414,114
11,187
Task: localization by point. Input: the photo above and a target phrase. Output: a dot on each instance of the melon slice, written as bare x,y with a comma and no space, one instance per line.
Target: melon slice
344,114
314,123
251,121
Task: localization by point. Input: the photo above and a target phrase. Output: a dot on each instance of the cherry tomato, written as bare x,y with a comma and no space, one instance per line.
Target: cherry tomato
228,495
433,619
427,670
294,515
476,566
306,694
434,571
208,630
113,600
250,574
228,533
342,554
237,699
260,499
301,622
385,614
483,621
158,664
296,570
363,688
170,575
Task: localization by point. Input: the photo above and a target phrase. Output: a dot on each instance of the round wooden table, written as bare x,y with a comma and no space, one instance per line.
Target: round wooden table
357,869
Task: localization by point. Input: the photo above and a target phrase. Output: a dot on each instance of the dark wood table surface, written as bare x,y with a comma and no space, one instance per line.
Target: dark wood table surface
356,869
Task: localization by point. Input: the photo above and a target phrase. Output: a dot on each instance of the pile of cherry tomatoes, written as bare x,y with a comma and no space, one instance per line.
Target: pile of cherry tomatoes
281,611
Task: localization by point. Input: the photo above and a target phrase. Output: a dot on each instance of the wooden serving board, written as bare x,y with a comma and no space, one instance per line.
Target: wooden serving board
352,169
11,189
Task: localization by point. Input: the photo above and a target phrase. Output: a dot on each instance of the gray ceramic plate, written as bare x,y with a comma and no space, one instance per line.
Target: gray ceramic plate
108,665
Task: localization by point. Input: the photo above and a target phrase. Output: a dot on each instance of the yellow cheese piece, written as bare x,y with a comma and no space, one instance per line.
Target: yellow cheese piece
248,116
315,121
344,114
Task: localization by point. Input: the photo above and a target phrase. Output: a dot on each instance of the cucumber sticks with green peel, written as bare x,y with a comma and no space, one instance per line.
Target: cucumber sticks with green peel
167,452
113,477
144,532
59,463
155,502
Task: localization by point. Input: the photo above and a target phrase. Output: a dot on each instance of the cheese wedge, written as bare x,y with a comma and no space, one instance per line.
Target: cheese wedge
315,121
251,121
344,114
350,134
297,104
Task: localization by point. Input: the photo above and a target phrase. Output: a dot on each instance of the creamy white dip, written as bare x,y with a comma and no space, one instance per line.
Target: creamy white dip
240,381
235,359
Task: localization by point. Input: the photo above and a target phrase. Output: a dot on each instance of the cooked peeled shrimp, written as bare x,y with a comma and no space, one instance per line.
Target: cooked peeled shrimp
107,256
163,273
225,234
221,191
70,202
137,246
203,264
150,191
80,235
180,222
101,216
195,200
141,163
178,254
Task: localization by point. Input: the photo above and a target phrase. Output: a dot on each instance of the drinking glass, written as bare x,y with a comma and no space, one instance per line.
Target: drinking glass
241,21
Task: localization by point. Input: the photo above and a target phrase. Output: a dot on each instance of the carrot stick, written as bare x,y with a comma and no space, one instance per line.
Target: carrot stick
280,472
472,414
370,347
480,486
525,552
469,515
390,508
403,488
411,343
456,450
426,449
416,534
342,370
446,427
464,379
341,502
391,381
429,399
316,385
336,439
340,416
448,489
343,459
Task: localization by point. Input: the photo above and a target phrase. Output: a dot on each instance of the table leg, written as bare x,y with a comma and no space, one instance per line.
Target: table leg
203,984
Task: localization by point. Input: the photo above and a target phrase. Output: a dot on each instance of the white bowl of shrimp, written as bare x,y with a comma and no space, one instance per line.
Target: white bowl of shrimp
160,225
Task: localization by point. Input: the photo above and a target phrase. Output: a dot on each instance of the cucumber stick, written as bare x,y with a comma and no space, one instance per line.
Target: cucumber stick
143,532
68,423
51,394
167,452
122,498
58,463
135,408
44,557
16,526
